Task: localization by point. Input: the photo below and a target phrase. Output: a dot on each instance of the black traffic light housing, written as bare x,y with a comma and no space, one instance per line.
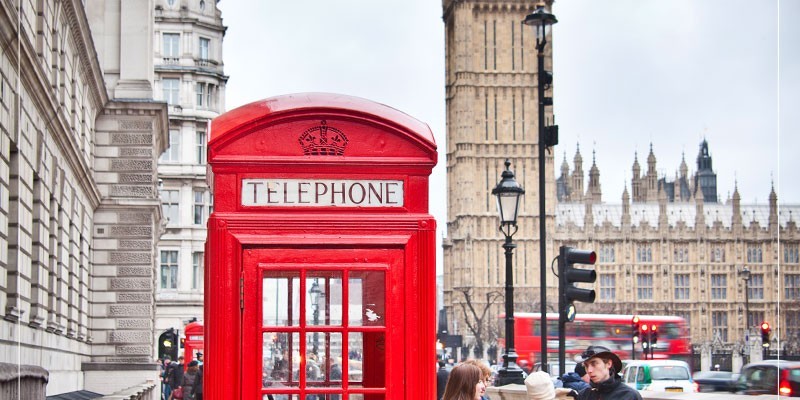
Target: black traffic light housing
635,329
653,335
168,344
568,275
765,331
568,293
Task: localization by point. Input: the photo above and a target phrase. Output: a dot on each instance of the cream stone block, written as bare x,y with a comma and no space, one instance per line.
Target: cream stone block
109,382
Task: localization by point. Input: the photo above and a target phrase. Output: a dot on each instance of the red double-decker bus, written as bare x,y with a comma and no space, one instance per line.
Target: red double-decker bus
611,330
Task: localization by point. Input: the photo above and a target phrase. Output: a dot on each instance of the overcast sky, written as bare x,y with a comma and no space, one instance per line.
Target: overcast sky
627,73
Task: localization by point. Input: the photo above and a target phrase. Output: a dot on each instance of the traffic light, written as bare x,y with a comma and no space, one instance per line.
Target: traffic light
653,335
635,329
568,275
168,344
765,331
645,336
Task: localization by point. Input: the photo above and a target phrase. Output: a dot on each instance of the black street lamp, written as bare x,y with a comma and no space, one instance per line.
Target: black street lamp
508,193
315,293
746,277
541,21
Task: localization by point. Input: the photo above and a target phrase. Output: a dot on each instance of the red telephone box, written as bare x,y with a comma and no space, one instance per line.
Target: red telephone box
193,343
320,275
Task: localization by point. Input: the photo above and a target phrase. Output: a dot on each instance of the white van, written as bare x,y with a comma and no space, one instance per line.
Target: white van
658,376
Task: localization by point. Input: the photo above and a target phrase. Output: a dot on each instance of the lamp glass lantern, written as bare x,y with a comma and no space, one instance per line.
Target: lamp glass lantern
541,21
508,192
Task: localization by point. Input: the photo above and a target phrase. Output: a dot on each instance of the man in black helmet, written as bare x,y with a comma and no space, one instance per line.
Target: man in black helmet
602,366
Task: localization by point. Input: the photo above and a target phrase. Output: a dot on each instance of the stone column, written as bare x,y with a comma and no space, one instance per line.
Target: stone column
756,351
129,139
705,357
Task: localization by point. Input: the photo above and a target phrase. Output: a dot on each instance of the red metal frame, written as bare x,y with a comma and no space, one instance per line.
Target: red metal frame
264,140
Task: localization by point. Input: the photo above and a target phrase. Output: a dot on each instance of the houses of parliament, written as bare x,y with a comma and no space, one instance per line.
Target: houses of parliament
667,246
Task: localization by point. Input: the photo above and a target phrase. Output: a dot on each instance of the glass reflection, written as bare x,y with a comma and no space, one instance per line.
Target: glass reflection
324,298
280,358
323,369
279,397
278,288
366,294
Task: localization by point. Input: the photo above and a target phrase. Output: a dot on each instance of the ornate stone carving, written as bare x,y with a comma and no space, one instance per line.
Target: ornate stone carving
135,125
134,297
133,324
135,178
141,231
130,257
130,284
122,310
131,165
129,337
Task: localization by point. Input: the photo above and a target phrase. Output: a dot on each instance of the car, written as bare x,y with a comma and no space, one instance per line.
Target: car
659,376
770,377
714,381
553,370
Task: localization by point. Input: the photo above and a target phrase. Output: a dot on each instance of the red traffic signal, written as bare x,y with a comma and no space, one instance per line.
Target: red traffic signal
576,256
765,331
653,334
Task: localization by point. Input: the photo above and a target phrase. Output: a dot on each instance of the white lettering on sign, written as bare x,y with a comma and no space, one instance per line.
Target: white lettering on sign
321,193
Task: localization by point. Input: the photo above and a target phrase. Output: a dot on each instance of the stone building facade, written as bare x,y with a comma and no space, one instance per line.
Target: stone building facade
686,257
670,247
80,135
189,78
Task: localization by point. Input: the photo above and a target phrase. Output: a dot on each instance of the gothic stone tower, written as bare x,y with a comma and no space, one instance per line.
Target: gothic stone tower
491,115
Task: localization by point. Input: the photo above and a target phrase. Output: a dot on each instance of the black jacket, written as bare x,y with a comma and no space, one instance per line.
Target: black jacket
610,389
441,381
175,375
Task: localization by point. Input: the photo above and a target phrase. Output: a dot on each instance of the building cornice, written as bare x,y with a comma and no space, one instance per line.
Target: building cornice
82,38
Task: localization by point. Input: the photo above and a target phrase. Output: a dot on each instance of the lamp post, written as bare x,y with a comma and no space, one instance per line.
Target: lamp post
541,20
315,292
746,278
508,193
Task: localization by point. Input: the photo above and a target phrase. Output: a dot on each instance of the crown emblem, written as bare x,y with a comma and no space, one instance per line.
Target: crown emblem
323,140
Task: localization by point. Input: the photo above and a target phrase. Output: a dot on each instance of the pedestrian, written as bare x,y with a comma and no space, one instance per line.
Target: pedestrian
199,358
190,379
166,389
577,380
334,374
465,383
602,367
197,389
539,386
486,374
175,378
441,379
